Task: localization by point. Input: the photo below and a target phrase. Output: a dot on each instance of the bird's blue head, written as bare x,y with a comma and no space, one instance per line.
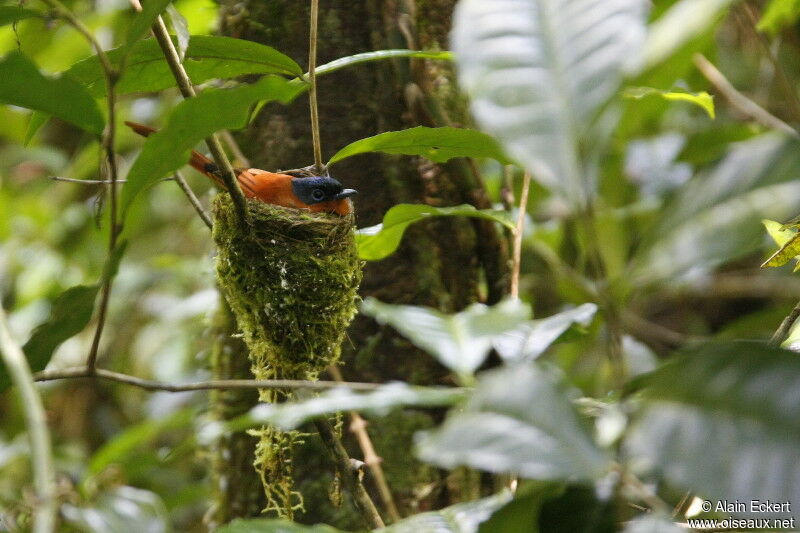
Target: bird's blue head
318,189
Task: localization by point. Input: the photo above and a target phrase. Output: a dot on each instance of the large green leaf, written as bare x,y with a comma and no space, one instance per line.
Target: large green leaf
195,119
723,420
377,242
520,419
70,313
538,71
387,397
22,84
684,21
207,57
715,217
460,341
460,518
531,339
9,14
436,144
718,234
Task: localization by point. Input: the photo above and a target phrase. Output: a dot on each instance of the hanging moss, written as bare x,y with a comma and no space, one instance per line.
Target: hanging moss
291,279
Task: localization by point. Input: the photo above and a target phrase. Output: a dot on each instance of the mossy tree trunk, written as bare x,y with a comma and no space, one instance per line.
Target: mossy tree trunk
445,263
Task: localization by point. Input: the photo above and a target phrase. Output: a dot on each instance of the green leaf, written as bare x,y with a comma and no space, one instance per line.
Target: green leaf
538,71
722,420
207,57
715,216
143,21
459,341
193,120
9,14
377,242
701,99
787,239
588,509
531,339
460,518
381,401
22,84
377,55
437,144
521,515
684,21
520,419
778,15
37,120
120,509
135,438
69,314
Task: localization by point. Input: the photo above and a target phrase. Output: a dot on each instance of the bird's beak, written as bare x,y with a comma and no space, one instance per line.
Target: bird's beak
346,193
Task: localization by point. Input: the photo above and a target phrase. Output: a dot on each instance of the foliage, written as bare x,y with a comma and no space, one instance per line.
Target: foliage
380,241
640,241
701,99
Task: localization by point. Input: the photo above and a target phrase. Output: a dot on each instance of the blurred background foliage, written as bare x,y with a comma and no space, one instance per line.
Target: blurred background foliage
680,202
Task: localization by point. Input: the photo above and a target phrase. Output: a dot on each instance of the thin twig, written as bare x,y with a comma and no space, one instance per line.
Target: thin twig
111,76
642,491
783,81
233,146
350,476
312,92
739,100
193,199
44,477
782,333
84,182
187,90
289,384
373,461
518,230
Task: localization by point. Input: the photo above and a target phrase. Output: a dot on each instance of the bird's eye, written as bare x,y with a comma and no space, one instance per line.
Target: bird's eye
317,194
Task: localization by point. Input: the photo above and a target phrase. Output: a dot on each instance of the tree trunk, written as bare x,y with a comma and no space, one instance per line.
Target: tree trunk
446,263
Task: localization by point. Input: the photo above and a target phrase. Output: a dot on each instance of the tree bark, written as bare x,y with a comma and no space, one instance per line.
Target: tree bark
445,263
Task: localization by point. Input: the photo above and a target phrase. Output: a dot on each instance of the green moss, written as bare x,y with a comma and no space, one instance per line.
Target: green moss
291,280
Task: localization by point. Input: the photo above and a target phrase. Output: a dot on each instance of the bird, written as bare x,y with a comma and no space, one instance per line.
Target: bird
314,193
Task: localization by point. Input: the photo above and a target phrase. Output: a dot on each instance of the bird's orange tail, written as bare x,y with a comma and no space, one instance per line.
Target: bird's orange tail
198,161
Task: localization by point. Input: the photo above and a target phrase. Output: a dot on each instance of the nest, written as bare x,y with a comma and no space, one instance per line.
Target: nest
291,280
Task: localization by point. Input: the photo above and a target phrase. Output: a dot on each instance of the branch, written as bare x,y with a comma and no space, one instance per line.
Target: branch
44,477
187,90
99,373
193,199
517,254
782,333
312,92
351,477
373,461
111,77
738,100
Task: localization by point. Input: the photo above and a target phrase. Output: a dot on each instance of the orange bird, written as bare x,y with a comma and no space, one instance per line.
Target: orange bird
315,193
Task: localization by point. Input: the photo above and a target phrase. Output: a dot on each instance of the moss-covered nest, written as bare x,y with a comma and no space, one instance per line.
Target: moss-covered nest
291,279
